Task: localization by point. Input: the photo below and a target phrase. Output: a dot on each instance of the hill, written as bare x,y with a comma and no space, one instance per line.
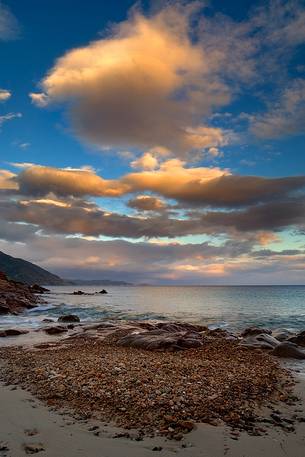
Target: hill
27,272
97,282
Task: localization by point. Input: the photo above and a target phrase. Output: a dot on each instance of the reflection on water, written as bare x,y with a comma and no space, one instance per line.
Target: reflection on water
230,307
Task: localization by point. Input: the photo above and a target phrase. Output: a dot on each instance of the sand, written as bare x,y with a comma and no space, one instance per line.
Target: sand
32,426
22,415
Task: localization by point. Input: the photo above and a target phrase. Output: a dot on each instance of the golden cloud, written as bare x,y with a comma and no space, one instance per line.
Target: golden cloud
145,85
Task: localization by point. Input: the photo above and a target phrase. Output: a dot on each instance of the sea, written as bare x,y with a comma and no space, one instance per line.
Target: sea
229,307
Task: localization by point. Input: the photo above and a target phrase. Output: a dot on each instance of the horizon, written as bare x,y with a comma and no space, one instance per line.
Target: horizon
155,142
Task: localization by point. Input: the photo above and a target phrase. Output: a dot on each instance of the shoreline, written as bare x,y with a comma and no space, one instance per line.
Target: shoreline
28,426
199,393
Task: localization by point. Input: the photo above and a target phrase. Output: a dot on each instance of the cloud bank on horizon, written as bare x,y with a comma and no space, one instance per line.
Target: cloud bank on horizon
161,92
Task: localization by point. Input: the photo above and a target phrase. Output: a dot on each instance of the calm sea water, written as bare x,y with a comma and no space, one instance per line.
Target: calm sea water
229,307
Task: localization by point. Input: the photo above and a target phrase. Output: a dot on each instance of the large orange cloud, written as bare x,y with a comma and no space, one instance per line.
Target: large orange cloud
199,186
145,85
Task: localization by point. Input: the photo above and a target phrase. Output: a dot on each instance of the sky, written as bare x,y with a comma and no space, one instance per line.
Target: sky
156,142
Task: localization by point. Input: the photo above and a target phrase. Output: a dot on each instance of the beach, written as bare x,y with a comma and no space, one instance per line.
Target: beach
89,396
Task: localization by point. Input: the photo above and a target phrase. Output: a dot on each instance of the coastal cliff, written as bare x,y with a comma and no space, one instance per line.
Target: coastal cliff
16,297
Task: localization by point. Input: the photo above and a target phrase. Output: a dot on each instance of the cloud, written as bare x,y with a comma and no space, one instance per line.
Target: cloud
147,162
4,95
146,84
9,117
7,180
285,117
202,263
77,217
9,27
195,186
37,180
147,203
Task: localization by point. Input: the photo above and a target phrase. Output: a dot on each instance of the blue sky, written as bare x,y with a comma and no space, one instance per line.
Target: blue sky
143,95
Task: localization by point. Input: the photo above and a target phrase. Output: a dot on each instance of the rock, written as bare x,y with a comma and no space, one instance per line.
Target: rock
55,330
298,339
69,318
12,332
16,297
48,320
289,350
103,291
160,339
33,448
79,292
252,331
260,341
36,289
282,334
187,425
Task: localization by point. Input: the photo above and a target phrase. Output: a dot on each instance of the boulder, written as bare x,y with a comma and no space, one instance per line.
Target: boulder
79,292
289,350
69,318
298,339
160,339
56,330
252,331
103,291
12,332
49,321
260,341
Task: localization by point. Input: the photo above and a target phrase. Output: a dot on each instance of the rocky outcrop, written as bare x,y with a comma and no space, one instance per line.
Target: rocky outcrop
16,297
37,289
69,318
288,350
160,339
78,292
260,341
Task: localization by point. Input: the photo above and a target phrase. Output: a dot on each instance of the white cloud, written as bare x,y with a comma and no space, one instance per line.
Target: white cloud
4,95
8,117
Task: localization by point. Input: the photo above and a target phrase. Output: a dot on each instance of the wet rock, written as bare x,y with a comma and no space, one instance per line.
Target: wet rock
56,330
103,291
253,331
12,332
298,339
36,289
69,318
260,341
79,292
48,320
288,349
